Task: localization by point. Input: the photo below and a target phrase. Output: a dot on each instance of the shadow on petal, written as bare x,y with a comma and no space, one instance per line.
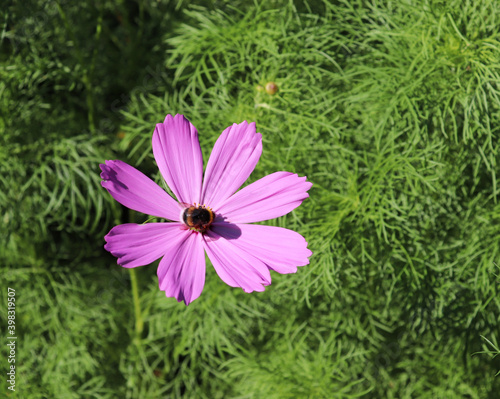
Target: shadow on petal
111,175
229,231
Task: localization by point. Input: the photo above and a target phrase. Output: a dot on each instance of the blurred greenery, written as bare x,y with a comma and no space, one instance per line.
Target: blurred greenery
391,109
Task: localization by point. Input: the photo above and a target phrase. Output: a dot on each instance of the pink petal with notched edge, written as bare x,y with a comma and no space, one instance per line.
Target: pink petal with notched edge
137,191
282,250
231,162
181,273
268,198
177,152
234,266
140,244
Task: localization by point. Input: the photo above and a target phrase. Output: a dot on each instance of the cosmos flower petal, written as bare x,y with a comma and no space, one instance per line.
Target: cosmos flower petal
270,197
137,191
236,267
140,244
181,273
282,250
231,162
177,152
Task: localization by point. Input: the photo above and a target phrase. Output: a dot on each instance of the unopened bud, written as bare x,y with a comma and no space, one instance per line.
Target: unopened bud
271,88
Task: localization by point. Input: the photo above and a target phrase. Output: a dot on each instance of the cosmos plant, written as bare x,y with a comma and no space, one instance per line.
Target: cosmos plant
209,215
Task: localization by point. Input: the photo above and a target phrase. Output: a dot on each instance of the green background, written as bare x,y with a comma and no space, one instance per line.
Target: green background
390,108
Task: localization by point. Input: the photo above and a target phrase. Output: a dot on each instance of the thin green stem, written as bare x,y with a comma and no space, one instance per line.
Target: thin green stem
139,322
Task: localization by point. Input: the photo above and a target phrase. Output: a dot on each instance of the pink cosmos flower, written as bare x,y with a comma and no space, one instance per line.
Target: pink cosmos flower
209,215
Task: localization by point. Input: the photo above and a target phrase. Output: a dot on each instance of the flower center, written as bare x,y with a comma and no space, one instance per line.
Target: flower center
198,218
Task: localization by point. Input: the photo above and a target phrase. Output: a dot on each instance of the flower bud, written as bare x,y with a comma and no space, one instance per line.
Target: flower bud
271,88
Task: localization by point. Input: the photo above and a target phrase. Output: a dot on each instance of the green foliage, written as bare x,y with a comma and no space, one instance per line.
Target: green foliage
391,110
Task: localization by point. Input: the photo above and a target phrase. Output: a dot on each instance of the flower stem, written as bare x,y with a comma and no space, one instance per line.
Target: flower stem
139,322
